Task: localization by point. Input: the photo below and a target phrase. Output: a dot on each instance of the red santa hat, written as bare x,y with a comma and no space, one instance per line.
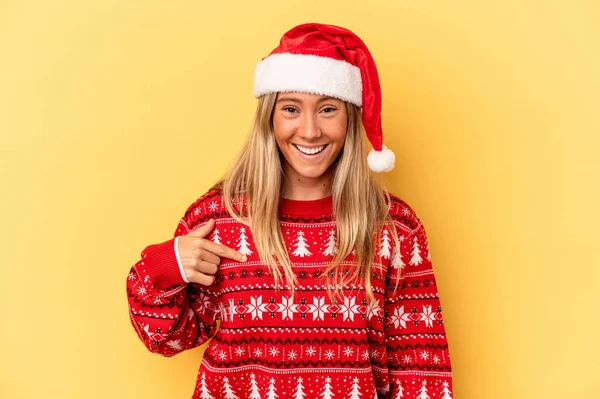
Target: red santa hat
328,60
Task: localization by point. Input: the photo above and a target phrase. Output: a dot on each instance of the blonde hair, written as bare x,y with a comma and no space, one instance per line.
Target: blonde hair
254,178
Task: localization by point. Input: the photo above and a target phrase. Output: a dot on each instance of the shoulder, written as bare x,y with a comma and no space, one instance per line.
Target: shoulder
208,205
403,215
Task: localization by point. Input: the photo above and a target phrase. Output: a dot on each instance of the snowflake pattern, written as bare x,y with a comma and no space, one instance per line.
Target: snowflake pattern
287,308
428,316
245,302
349,308
239,351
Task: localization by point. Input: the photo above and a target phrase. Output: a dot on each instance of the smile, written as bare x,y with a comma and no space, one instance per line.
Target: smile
310,150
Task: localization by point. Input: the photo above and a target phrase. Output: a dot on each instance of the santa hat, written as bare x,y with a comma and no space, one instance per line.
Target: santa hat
328,60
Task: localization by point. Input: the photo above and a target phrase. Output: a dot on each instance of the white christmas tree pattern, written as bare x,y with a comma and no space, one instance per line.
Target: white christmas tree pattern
423,394
229,394
299,390
204,392
397,261
301,246
399,392
175,345
216,238
243,246
271,394
385,245
416,254
355,393
446,391
330,248
254,393
327,393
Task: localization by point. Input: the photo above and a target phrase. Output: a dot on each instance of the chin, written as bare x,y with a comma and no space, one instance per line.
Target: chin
310,173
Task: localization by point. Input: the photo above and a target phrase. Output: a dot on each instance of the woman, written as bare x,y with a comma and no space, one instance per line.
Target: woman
321,279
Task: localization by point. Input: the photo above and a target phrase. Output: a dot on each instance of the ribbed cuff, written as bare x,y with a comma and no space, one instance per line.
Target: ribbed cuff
163,266
179,260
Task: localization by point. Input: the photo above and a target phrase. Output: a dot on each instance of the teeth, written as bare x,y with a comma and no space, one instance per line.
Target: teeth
309,151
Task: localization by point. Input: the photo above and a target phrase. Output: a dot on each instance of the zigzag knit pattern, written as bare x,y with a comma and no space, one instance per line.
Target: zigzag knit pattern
269,345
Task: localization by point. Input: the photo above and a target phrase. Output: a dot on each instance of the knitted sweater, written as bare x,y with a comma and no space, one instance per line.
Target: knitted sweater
271,346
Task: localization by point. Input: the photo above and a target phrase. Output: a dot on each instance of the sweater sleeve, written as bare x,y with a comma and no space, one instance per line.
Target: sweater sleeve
415,337
169,314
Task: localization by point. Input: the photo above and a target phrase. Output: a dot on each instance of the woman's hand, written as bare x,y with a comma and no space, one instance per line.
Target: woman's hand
200,257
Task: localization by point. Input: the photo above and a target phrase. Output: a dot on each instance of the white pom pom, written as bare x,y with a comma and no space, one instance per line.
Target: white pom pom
381,161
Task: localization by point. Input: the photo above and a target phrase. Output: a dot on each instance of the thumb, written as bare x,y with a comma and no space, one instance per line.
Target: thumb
204,230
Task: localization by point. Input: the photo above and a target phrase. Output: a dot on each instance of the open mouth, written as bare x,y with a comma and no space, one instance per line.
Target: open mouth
310,150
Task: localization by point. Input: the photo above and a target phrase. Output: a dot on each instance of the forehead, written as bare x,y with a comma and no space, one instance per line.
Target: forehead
300,97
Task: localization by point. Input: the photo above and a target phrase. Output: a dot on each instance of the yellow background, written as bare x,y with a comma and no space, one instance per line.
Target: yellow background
116,115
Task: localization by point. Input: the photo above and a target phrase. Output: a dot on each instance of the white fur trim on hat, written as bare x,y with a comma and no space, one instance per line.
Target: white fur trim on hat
381,161
308,73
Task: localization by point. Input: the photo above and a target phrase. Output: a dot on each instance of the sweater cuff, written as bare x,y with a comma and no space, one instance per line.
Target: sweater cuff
163,265
179,260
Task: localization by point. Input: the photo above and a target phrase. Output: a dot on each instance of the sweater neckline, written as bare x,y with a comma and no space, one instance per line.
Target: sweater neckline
320,206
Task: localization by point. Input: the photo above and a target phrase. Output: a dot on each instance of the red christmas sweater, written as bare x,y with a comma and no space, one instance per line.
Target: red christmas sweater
269,346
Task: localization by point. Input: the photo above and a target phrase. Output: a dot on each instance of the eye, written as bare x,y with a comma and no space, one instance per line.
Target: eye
289,109
328,108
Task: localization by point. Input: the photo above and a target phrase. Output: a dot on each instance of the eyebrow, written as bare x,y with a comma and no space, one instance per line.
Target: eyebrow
297,100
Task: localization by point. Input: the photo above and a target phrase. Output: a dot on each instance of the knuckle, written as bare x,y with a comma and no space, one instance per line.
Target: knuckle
206,280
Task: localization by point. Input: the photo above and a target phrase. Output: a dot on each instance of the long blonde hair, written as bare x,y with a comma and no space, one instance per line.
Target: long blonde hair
254,178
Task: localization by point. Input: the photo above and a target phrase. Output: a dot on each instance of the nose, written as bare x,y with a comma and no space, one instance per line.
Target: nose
310,128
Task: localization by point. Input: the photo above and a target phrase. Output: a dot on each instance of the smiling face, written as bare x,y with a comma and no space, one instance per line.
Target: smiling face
310,130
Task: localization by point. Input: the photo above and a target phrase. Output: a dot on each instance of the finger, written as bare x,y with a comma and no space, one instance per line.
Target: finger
202,278
203,230
206,255
199,266
224,252
206,267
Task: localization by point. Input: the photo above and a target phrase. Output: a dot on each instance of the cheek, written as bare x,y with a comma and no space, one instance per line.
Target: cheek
339,131
281,129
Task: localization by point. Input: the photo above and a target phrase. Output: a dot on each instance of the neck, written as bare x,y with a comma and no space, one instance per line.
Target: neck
298,187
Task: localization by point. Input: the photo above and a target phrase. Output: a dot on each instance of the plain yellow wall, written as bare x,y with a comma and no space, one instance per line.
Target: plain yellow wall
116,115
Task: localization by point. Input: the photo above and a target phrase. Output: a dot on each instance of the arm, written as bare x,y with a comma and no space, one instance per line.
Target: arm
415,337
168,314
